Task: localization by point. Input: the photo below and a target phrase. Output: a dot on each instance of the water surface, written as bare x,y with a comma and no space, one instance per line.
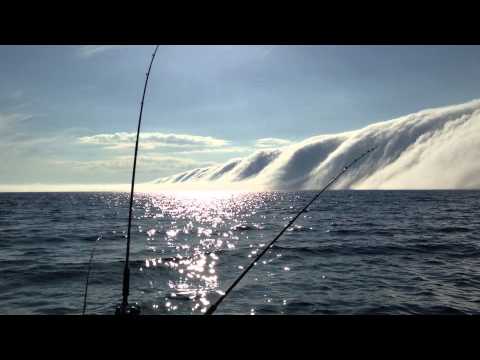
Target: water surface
353,252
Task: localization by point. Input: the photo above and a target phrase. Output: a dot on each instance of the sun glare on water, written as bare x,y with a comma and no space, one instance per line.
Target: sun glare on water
187,234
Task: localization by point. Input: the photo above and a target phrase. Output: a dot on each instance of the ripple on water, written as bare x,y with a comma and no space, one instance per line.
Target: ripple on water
354,252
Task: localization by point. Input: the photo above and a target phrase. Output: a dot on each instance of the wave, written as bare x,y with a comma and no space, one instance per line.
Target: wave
431,149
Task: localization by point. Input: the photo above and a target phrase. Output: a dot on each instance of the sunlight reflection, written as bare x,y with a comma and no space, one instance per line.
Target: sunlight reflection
194,231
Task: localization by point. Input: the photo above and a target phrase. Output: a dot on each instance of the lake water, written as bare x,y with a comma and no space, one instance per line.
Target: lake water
353,252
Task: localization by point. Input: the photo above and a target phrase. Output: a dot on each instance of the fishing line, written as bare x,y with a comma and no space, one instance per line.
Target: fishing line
88,275
124,308
214,306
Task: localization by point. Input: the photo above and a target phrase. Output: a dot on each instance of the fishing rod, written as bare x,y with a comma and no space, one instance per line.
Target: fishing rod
124,308
88,275
214,306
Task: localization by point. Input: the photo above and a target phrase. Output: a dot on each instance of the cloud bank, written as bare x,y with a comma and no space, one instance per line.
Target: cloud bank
431,149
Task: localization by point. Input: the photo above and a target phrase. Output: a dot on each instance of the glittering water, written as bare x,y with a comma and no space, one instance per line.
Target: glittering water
353,252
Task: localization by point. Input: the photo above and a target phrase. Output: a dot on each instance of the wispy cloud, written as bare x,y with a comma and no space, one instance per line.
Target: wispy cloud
164,164
152,140
223,150
267,50
272,143
10,120
253,53
17,94
87,51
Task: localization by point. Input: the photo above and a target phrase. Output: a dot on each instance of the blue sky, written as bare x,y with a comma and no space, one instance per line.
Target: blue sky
67,113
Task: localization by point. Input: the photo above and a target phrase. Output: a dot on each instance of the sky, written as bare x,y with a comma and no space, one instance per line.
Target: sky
68,113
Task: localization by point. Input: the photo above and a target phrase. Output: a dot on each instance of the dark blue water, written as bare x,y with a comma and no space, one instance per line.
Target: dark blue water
354,252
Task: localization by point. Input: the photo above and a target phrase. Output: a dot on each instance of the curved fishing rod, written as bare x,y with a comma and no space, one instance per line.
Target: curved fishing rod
214,306
124,308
